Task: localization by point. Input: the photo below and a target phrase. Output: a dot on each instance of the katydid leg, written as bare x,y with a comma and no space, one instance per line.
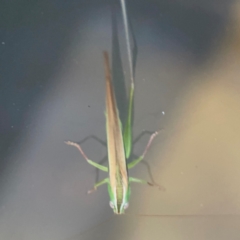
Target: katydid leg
135,162
98,184
96,165
137,180
127,133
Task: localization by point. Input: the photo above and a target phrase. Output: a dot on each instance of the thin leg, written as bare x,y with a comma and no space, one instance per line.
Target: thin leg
101,167
137,180
105,180
95,138
135,162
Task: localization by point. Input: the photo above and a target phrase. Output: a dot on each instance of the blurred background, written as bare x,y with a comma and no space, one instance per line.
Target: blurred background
52,90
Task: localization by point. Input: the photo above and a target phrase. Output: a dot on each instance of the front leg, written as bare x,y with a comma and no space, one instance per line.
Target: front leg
135,162
96,165
105,180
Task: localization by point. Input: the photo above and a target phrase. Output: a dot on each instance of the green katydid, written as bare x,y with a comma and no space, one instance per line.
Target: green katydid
119,149
119,140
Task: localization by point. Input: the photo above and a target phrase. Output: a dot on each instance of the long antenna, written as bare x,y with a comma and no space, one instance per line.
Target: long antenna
126,28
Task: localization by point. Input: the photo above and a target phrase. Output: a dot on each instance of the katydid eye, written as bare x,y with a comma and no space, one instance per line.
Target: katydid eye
111,204
126,205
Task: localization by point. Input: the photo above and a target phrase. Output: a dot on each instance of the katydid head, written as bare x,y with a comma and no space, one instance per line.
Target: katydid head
119,199
119,209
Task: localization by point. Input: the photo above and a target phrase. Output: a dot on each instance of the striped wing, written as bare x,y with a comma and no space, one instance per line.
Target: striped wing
116,153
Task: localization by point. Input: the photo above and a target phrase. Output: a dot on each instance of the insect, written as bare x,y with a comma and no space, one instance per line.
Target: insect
119,139
119,144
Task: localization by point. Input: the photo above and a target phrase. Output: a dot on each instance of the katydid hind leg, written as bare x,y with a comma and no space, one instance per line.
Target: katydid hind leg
127,134
96,165
127,131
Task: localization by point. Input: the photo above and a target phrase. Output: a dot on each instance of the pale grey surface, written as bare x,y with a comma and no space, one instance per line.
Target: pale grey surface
195,157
